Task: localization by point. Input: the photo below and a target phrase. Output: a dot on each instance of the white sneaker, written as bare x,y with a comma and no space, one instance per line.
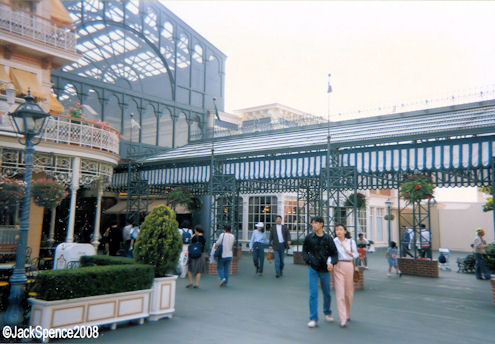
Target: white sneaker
389,274
329,318
222,282
312,324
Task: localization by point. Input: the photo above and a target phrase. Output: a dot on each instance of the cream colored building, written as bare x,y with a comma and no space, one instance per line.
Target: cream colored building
36,38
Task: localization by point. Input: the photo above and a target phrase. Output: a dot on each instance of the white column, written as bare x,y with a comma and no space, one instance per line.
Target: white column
96,233
76,166
51,238
245,218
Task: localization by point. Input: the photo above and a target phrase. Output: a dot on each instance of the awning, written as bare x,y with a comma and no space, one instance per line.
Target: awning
121,207
4,78
59,14
55,106
23,81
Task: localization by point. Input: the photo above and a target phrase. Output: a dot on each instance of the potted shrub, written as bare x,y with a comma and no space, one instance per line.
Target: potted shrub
159,244
417,187
360,201
101,292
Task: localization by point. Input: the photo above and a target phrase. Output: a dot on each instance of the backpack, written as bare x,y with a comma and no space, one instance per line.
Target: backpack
195,250
442,259
186,236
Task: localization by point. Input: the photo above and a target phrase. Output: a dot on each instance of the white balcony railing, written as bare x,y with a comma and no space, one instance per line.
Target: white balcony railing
37,28
74,132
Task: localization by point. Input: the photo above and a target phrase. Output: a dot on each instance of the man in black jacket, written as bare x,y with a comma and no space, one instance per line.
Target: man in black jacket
279,240
320,253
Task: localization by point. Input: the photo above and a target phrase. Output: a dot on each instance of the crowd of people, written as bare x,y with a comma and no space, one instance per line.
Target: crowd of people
326,257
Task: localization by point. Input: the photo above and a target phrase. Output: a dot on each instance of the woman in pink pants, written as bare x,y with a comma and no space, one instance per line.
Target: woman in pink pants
343,273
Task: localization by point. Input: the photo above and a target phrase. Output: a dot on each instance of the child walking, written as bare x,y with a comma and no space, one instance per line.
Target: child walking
392,259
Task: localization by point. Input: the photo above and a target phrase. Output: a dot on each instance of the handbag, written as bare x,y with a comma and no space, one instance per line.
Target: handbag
269,255
219,250
355,276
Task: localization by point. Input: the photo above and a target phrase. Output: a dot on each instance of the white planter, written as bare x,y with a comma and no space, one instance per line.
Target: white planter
91,310
162,302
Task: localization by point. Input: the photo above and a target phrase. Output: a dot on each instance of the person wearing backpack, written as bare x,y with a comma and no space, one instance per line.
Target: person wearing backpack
186,235
196,262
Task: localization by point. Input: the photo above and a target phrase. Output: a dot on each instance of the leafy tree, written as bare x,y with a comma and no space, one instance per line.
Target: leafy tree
488,206
159,242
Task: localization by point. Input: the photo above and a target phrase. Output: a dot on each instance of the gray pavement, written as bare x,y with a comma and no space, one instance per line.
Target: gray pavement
455,308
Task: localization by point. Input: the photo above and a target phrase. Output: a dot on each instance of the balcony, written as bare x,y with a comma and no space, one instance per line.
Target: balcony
36,28
82,133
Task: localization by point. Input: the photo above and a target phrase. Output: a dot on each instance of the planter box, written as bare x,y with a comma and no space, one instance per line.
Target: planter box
419,267
492,281
298,258
162,302
91,310
211,268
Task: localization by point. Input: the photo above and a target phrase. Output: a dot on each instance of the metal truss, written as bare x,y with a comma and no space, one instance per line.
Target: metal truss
224,195
339,184
413,215
137,195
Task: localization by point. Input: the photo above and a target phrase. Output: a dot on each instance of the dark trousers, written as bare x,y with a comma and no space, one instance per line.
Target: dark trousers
425,252
279,260
404,250
481,268
259,256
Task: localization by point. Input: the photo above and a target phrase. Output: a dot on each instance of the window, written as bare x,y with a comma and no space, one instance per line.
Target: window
294,219
262,209
369,234
361,217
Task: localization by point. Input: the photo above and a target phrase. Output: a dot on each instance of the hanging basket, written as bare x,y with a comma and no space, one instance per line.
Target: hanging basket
389,218
11,192
360,201
48,193
417,187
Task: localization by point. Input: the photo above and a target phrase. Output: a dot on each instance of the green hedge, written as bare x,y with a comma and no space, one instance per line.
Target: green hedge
490,251
104,260
91,281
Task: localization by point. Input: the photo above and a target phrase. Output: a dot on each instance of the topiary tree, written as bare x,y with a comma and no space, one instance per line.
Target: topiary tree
159,242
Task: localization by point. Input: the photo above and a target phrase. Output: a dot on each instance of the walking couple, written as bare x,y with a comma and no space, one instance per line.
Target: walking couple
324,255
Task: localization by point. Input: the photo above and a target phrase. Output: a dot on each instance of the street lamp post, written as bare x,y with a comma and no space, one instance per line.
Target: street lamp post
388,203
28,120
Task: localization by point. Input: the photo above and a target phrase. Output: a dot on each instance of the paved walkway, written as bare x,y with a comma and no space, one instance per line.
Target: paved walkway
455,308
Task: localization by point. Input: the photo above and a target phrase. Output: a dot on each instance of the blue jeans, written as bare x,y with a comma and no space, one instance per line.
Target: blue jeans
279,260
223,266
259,256
313,292
481,268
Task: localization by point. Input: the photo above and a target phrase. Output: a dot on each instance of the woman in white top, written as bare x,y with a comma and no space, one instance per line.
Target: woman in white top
343,273
226,239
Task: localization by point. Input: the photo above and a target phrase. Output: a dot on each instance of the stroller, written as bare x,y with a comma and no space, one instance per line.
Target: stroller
443,259
466,264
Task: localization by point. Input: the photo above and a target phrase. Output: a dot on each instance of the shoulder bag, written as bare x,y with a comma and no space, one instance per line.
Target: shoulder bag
355,276
219,250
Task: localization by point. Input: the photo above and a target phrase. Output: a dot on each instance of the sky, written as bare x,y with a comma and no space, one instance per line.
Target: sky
380,54
384,57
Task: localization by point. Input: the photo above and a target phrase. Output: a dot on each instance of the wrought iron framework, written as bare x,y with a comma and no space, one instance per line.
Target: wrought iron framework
139,58
453,155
